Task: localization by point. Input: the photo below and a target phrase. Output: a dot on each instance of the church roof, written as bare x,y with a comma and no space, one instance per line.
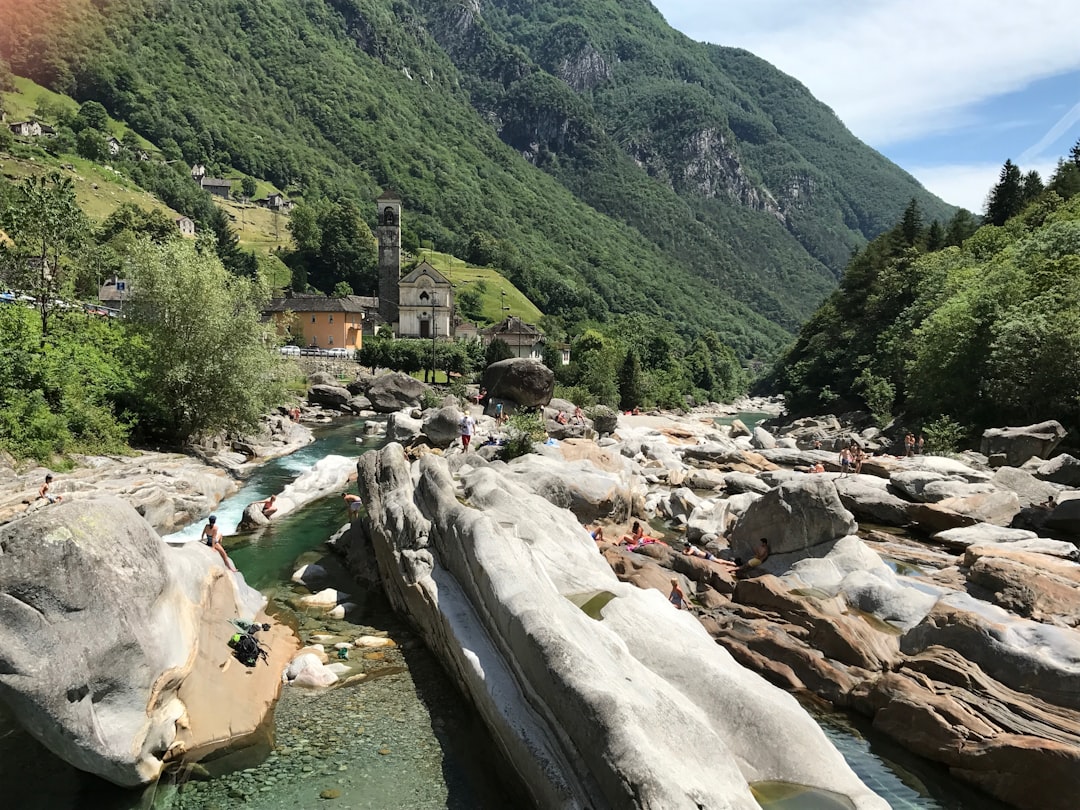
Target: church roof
389,194
425,269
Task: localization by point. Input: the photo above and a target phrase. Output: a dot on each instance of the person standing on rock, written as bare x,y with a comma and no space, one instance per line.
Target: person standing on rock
845,461
909,445
354,503
211,535
467,425
919,444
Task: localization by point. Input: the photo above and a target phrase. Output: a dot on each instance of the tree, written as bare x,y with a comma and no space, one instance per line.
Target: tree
45,222
631,382
911,224
248,186
935,237
90,144
342,289
91,115
961,226
497,350
205,346
1006,198
1031,187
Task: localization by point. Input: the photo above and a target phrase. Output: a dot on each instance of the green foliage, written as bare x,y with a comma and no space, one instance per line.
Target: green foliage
341,290
943,435
523,430
67,395
468,301
204,345
249,186
45,224
631,382
497,350
989,331
430,399
92,116
580,396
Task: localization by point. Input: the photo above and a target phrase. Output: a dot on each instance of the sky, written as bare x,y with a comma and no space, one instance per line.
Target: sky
947,89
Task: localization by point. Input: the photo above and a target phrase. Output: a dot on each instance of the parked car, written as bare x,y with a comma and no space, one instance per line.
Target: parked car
290,351
338,351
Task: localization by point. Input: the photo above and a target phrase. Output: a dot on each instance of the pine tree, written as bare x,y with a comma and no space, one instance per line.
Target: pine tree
1032,187
1074,154
631,383
935,237
1006,199
911,224
961,226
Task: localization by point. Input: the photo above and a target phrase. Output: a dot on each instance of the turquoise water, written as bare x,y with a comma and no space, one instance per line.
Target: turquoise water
749,418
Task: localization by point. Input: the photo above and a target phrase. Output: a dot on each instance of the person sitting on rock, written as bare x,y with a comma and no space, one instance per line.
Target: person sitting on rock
481,395
354,503
268,506
818,468
561,418
761,554
677,597
597,533
43,492
637,538
211,535
579,415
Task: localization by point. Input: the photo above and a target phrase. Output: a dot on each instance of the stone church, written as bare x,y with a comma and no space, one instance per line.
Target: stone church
420,305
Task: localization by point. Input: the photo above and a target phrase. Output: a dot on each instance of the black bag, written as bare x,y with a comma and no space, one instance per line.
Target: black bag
247,650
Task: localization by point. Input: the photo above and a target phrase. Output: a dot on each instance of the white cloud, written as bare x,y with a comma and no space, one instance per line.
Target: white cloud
967,185
895,70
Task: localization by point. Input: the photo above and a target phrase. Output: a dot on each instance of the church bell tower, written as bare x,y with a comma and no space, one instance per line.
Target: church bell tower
388,232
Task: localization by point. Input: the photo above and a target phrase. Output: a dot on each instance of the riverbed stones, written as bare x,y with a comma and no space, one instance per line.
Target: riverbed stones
528,383
998,507
796,516
395,391
762,439
868,498
401,427
1027,584
113,644
1065,519
1019,444
1029,489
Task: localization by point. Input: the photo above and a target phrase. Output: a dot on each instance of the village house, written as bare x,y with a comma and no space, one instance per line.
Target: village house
114,292
198,172
275,202
25,129
217,186
319,321
186,226
115,147
524,339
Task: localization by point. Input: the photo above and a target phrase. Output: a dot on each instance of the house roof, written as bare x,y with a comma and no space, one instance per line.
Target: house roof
321,303
215,181
389,194
424,269
514,329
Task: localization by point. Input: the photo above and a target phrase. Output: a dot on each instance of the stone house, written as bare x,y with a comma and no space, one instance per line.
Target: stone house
114,145
186,226
217,186
524,339
25,129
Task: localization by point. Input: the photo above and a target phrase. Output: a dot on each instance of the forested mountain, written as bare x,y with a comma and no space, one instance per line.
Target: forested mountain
606,163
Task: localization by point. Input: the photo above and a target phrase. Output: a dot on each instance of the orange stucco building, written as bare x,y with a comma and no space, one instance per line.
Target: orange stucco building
315,320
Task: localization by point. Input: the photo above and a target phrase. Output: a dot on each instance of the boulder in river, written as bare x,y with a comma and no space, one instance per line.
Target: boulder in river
1063,469
795,516
576,674
113,645
442,427
395,392
332,396
529,383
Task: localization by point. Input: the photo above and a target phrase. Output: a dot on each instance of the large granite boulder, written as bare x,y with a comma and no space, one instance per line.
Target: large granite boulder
1063,469
868,498
1018,444
331,396
508,591
796,516
762,439
1029,489
998,507
581,486
395,392
527,382
113,645
1065,518
442,427
401,427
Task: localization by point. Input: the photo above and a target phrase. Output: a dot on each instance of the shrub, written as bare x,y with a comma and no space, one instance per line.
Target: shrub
943,435
523,430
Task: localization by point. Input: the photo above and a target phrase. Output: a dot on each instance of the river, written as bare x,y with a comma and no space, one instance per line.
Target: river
402,739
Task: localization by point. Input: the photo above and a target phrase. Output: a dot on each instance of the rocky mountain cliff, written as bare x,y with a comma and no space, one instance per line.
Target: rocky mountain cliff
605,162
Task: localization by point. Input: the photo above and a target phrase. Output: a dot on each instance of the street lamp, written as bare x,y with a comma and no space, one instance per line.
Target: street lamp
434,329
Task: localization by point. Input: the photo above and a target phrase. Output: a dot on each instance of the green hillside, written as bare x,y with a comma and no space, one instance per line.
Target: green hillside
687,182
